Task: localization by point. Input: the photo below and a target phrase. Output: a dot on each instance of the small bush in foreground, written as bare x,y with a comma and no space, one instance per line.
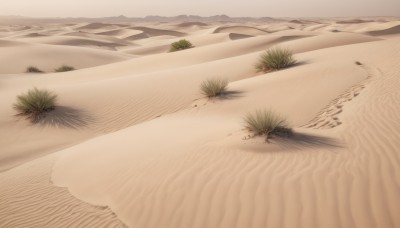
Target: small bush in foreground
180,45
275,59
35,103
267,123
214,87
64,68
32,69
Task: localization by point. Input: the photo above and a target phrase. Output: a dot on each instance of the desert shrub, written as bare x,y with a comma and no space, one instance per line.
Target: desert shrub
180,45
214,87
267,123
64,68
35,103
33,69
275,59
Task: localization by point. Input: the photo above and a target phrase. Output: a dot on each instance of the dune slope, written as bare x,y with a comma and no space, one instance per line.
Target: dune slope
179,184
133,142
19,55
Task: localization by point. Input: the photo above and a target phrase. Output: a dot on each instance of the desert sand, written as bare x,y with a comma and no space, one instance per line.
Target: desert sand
134,143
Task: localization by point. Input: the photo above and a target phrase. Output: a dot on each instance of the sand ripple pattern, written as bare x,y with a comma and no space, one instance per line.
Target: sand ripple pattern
215,185
328,117
357,186
28,199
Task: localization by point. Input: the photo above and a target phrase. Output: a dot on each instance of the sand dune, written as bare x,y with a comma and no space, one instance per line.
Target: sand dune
353,21
66,210
102,122
353,27
192,27
390,31
245,30
100,38
158,32
315,27
77,42
237,36
35,34
181,59
98,26
48,57
10,43
133,142
329,40
121,33
191,24
151,32
225,55
199,168
163,45
139,36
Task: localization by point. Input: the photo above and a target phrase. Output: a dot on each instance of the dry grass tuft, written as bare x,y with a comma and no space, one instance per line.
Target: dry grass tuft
267,123
35,103
214,87
180,45
64,68
33,69
275,59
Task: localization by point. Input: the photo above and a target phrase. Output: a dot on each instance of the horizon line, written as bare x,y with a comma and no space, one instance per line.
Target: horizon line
190,15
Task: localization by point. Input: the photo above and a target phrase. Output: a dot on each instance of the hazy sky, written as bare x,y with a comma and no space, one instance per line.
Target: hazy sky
254,8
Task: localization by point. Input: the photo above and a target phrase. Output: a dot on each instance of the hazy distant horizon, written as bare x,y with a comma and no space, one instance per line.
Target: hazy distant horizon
202,16
205,8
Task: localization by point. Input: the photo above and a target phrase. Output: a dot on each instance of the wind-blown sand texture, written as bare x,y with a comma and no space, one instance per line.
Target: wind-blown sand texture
134,143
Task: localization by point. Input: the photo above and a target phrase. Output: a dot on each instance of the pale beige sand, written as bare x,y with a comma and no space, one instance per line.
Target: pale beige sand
78,42
245,30
17,56
138,138
38,203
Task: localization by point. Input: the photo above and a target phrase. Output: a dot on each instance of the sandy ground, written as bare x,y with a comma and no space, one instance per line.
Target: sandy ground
134,143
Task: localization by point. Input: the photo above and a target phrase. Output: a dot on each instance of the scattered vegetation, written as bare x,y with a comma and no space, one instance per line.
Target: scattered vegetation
180,45
267,123
275,59
64,68
35,103
33,69
214,87
358,63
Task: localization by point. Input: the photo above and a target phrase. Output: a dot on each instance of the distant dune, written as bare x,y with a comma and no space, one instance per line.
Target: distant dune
190,24
384,32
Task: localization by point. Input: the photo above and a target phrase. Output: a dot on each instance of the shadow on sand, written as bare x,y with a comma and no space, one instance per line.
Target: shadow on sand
299,140
66,117
228,95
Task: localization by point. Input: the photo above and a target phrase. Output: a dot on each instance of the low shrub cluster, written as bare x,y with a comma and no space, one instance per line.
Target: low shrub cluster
180,45
275,59
267,123
35,103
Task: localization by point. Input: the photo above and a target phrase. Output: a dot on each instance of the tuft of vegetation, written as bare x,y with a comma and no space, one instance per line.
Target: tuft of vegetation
267,123
33,69
64,68
35,103
214,87
358,63
180,45
275,59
